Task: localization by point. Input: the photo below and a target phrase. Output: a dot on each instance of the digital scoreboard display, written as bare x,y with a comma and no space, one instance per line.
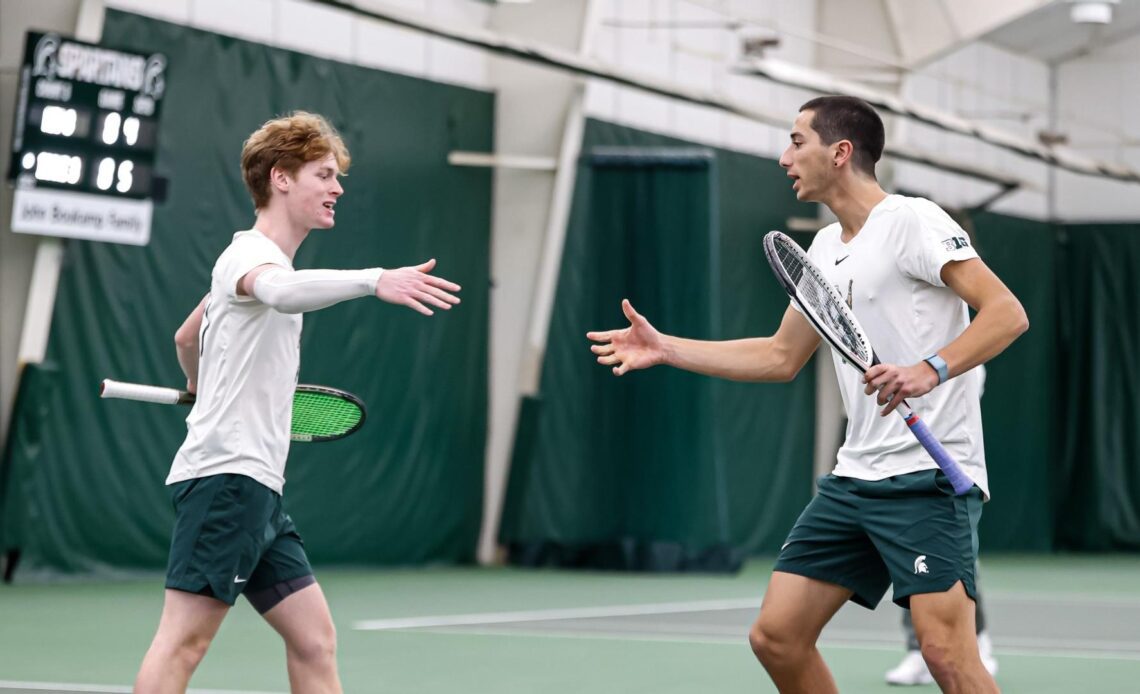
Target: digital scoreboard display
83,145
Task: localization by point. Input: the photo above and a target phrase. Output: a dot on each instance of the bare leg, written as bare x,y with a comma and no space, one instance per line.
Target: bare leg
188,624
912,669
944,623
794,612
304,621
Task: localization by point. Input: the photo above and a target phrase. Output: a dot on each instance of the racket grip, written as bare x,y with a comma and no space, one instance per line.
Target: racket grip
950,467
135,391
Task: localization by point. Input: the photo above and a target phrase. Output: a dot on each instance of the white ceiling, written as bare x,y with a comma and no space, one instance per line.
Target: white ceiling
1047,33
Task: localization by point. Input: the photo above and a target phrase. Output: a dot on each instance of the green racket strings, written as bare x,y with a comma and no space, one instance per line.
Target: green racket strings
319,415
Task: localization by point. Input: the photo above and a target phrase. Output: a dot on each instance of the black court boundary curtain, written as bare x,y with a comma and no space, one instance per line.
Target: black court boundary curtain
86,476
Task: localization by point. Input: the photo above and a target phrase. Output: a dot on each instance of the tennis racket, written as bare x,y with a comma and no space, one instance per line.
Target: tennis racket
833,319
319,413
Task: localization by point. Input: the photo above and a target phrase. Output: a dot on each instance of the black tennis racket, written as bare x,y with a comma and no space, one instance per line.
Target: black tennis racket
833,319
319,413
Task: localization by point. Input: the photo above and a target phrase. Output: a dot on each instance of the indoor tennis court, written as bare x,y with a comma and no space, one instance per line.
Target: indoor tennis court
1058,622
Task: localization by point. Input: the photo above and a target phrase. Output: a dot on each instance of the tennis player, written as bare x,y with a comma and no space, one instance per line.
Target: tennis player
886,515
240,350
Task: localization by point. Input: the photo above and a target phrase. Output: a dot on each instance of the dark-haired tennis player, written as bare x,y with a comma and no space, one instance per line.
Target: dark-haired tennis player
886,515
240,350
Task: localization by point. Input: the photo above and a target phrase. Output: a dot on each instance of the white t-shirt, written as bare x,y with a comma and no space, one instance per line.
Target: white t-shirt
247,372
890,274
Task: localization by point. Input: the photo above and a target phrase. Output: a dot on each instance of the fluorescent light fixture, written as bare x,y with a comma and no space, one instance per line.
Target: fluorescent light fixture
1092,11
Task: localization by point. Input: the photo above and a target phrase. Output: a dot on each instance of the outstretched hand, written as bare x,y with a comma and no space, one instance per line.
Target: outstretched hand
413,287
637,347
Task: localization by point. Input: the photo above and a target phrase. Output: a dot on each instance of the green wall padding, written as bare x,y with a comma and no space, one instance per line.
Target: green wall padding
662,469
408,487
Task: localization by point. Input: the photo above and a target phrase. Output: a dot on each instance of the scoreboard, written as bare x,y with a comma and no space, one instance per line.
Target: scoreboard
83,145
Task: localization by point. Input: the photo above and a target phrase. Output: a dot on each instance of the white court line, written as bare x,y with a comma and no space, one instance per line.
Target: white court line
825,642
1016,645
553,614
469,619
63,687
475,619
103,688
741,642
847,639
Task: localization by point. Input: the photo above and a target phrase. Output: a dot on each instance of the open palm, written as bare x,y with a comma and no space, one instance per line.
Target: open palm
637,347
414,286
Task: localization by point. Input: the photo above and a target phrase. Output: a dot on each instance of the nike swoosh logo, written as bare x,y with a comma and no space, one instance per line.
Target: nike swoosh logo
239,580
840,260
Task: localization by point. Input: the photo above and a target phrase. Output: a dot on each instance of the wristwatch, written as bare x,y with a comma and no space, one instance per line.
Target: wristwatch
939,365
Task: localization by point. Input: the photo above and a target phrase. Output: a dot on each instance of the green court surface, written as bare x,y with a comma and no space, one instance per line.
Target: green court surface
1059,624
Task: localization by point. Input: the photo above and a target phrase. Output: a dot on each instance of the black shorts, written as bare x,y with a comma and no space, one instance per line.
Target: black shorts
909,530
231,535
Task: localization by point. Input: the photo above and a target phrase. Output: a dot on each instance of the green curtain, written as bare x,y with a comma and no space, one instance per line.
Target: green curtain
405,489
37,383
1019,406
1097,479
660,469
768,430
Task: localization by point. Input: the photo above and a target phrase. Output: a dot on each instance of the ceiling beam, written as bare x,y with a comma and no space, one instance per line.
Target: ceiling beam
929,29
823,83
916,32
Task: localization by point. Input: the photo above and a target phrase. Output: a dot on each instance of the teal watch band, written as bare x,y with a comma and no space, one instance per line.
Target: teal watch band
939,365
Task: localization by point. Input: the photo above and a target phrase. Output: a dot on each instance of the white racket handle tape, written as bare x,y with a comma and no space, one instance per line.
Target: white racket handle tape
137,391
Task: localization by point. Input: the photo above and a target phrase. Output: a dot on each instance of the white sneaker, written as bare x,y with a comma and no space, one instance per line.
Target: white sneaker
911,671
986,651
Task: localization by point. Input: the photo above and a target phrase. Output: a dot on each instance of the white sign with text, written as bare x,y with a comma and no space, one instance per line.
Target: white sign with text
82,216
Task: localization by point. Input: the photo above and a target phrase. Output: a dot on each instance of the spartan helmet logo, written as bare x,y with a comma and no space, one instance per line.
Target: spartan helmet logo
920,565
44,59
154,76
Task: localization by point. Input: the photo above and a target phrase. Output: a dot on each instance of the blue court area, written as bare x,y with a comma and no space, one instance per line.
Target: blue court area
1059,624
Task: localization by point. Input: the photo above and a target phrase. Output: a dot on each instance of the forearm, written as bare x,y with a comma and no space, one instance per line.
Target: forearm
299,291
751,359
187,343
994,328
188,360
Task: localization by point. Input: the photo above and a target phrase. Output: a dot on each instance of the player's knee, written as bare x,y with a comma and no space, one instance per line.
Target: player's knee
938,653
759,642
316,645
189,651
770,643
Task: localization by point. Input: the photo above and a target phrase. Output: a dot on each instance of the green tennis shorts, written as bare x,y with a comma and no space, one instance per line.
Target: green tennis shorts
231,536
908,530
